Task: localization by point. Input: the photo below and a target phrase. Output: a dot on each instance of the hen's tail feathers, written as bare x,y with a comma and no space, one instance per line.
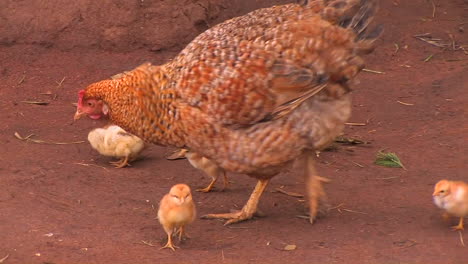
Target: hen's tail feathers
355,15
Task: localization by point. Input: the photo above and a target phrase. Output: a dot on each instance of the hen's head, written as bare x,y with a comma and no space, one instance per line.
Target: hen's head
93,107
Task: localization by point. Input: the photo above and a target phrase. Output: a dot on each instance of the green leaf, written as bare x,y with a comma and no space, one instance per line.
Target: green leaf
388,159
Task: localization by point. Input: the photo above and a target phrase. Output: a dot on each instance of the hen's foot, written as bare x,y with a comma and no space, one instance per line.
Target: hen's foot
120,163
314,188
247,211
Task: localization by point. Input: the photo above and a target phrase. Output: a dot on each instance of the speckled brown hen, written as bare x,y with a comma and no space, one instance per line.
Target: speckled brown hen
252,94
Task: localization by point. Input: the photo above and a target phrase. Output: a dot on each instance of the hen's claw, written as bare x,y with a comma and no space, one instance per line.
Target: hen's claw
235,217
314,188
247,211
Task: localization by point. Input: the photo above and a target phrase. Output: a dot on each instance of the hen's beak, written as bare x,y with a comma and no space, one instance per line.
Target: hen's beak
78,114
435,194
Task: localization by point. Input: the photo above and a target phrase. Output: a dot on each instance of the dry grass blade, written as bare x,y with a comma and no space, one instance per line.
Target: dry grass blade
35,102
388,159
89,165
39,141
428,58
147,243
4,258
426,37
372,71
397,48
403,103
357,164
292,194
22,78
60,83
355,124
461,238
433,8
352,211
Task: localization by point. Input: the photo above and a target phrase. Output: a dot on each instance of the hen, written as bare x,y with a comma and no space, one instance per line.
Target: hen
251,94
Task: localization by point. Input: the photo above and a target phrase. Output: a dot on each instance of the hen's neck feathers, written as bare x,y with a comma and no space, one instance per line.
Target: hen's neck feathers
142,101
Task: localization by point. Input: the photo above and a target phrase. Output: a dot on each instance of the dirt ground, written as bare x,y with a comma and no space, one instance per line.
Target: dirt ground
65,204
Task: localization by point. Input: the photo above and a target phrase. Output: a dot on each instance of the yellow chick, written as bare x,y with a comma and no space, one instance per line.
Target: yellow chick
176,210
113,141
204,164
452,196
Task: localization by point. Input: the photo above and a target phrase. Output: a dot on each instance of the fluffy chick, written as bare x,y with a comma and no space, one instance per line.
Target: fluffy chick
176,210
452,196
113,141
204,164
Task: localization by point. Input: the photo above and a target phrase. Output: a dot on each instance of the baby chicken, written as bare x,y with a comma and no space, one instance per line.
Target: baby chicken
452,196
176,210
113,141
204,164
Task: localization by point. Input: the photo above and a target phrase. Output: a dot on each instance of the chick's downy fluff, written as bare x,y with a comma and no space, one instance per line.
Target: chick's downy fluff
253,93
176,210
113,141
452,196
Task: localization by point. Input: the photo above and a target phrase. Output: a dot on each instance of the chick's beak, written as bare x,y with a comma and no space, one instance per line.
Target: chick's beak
78,114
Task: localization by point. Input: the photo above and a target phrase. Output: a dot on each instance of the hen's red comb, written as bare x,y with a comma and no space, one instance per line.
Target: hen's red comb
81,94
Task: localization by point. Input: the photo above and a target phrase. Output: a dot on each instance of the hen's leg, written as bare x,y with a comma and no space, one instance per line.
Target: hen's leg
120,163
314,188
247,211
459,226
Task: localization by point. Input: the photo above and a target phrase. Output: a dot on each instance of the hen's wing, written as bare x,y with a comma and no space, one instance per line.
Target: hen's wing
262,65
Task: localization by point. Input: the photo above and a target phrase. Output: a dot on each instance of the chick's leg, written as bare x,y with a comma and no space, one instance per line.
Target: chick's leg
209,187
459,226
247,211
314,188
214,173
181,232
120,163
169,243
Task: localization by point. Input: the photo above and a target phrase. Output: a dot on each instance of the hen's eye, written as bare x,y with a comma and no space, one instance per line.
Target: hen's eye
90,104
442,191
